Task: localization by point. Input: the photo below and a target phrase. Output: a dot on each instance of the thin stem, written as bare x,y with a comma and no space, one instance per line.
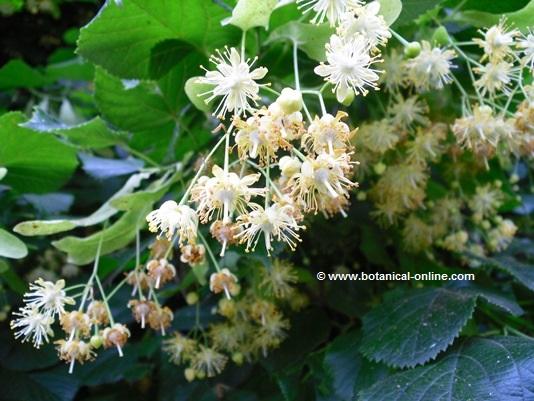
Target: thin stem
270,90
296,66
142,156
210,253
267,177
117,288
202,167
94,272
104,300
403,41
243,42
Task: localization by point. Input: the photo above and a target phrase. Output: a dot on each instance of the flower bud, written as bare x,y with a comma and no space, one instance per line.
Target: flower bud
289,166
96,341
379,168
191,298
349,98
412,49
189,374
290,100
238,358
441,36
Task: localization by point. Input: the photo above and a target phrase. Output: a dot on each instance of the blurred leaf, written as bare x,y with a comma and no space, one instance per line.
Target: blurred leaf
104,212
101,168
114,40
249,14
390,10
93,134
411,9
18,386
310,38
17,74
51,203
485,369
11,246
3,172
81,251
11,278
412,328
520,19
37,163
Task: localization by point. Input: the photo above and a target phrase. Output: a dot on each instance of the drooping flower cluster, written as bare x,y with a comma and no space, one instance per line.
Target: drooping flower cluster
253,323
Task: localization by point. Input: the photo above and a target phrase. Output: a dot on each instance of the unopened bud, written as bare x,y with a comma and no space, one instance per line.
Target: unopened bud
290,100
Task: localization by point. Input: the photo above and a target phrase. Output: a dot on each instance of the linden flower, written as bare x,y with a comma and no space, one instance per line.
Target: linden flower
74,350
431,69
278,279
234,81
328,133
223,194
417,235
494,77
275,221
366,21
324,176
426,145
486,201
208,361
406,112
479,129
225,281
32,324
48,296
526,44
378,136
497,41
327,9
172,217
349,66
394,71
179,348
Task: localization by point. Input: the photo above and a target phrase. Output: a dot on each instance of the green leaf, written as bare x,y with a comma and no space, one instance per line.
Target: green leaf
104,212
11,246
346,372
390,10
193,89
249,14
93,134
37,163
166,54
310,38
17,74
520,19
11,278
485,369
413,328
114,39
411,9
81,251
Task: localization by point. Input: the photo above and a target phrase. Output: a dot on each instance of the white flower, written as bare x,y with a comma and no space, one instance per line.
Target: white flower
48,296
366,21
394,66
497,41
494,77
405,112
234,81
328,133
349,66
526,44
32,324
275,221
431,69
172,217
327,9
224,193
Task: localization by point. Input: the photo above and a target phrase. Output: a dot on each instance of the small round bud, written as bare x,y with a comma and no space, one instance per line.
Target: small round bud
191,298
238,358
514,178
498,183
379,168
486,225
361,196
441,36
290,100
348,99
412,49
96,341
200,375
190,374
289,166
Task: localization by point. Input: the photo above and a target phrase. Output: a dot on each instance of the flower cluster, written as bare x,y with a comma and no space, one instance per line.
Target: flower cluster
253,324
